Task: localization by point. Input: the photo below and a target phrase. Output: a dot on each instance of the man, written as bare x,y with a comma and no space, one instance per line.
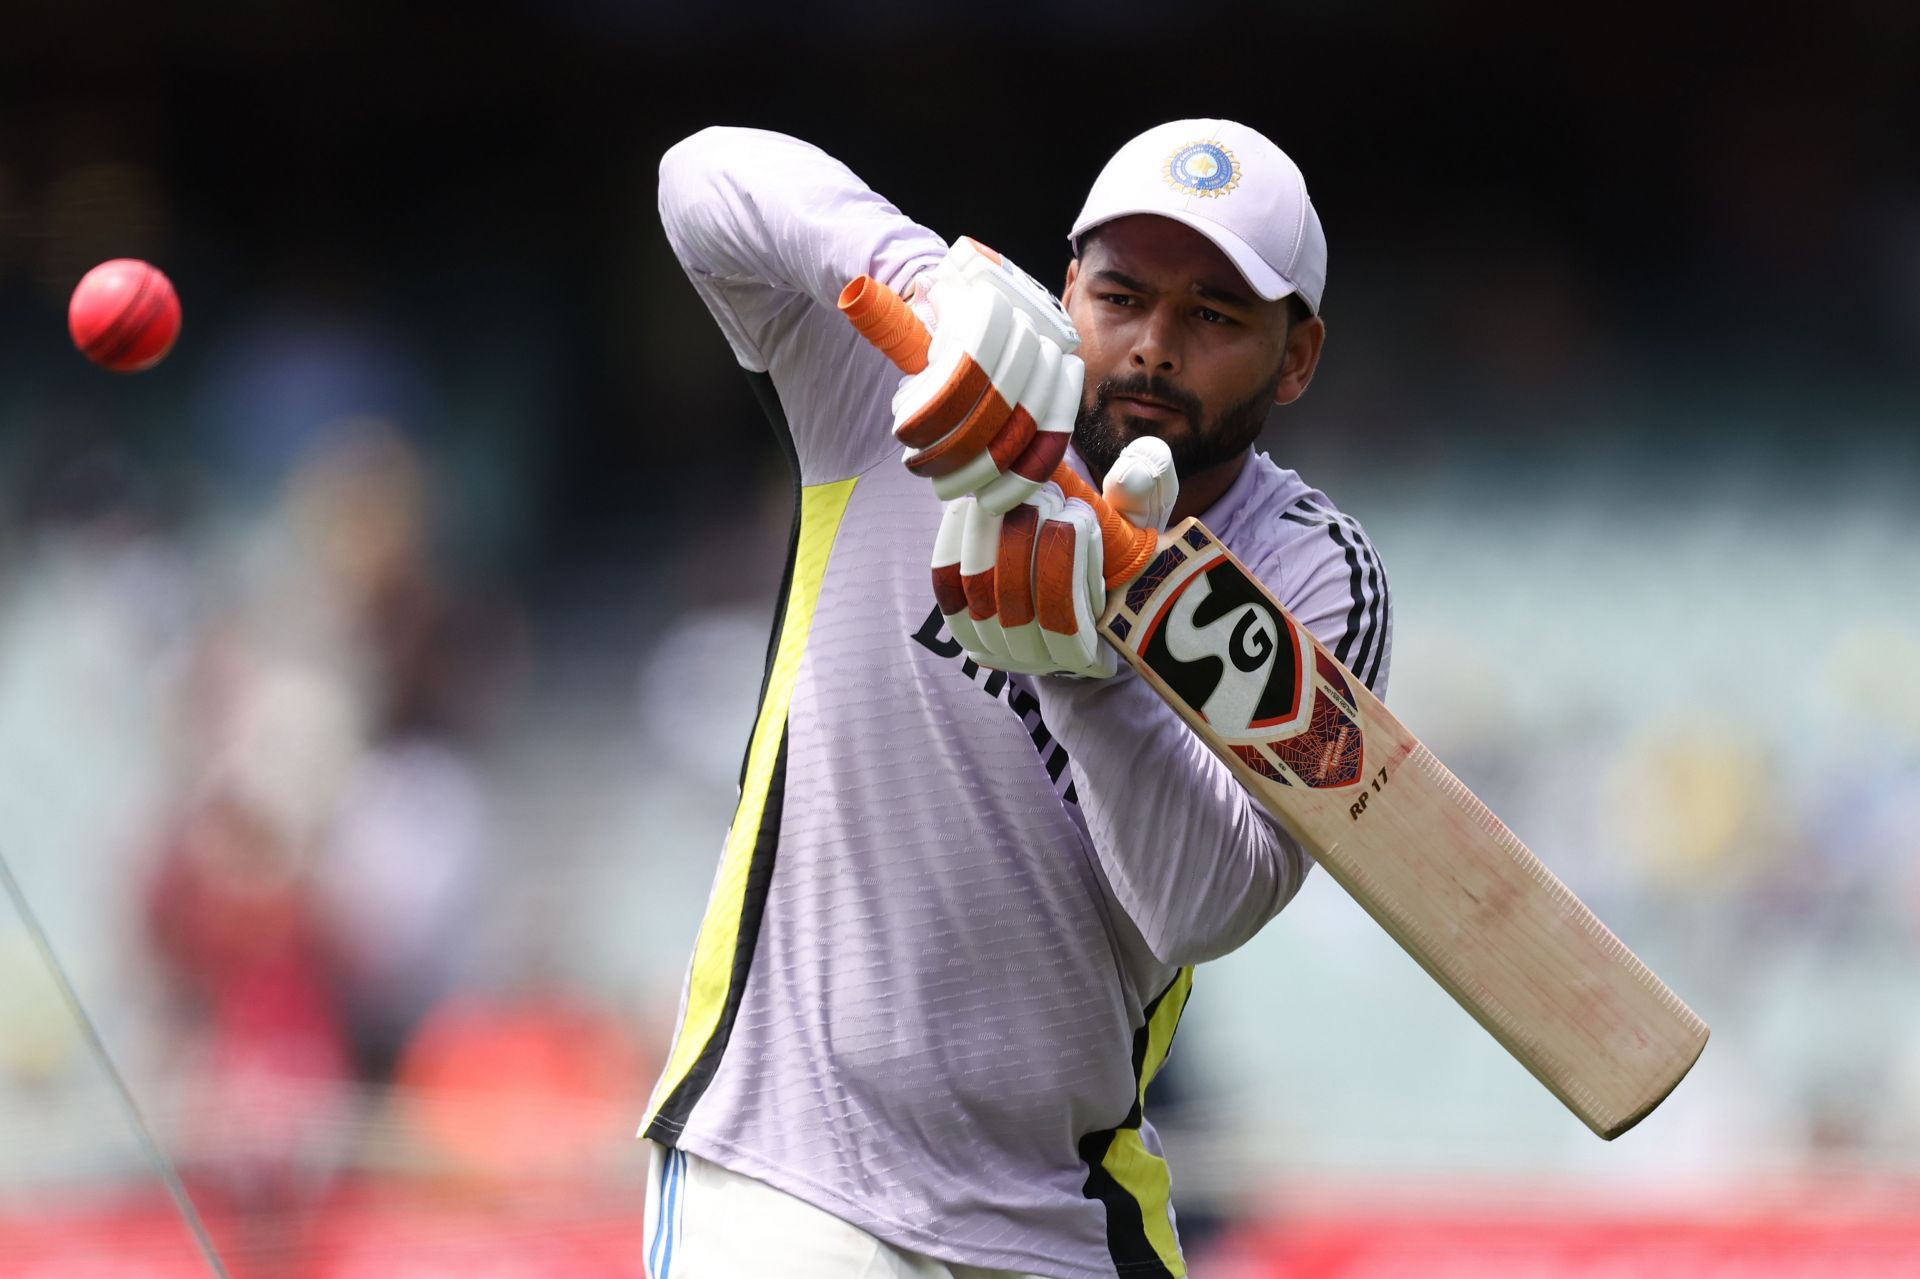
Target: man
955,919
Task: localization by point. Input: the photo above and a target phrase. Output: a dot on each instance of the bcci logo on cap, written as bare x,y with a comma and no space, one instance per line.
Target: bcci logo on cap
1204,168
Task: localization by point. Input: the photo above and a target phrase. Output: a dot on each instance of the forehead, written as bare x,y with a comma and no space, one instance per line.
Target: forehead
1162,252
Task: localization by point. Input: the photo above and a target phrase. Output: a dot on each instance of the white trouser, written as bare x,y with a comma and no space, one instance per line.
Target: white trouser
704,1222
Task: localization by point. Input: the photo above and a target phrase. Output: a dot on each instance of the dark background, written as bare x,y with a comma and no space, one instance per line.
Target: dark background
1540,223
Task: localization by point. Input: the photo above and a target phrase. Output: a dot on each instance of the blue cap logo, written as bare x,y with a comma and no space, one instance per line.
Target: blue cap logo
1203,168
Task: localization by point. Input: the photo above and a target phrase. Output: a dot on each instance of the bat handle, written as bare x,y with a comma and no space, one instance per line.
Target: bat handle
885,320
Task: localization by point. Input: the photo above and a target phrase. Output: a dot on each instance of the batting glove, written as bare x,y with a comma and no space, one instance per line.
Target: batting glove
1024,591
992,412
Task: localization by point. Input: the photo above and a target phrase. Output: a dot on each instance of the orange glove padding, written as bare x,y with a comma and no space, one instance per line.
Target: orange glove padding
1024,591
993,411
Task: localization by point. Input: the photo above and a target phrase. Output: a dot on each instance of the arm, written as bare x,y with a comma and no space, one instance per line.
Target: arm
1197,865
769,229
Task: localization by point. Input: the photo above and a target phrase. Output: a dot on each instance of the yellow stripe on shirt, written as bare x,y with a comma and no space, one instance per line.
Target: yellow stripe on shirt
711,981
1140,1172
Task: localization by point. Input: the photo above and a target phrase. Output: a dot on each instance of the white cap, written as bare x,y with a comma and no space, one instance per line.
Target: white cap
1232,185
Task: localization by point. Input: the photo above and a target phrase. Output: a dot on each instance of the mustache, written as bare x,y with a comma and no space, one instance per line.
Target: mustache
1151,388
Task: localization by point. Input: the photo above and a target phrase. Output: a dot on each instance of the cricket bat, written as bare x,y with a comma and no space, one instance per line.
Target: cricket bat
1399,832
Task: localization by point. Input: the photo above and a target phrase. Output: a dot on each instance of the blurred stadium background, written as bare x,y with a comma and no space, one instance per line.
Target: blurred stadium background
373,675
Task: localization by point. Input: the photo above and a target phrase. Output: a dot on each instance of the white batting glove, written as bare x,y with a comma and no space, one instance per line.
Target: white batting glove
1141,483
1024,591
992,412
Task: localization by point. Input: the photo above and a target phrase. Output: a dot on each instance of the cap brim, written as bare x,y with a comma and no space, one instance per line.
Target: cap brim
1266,281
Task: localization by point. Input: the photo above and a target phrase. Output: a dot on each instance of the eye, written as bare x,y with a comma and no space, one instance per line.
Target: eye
1117,299
1210,316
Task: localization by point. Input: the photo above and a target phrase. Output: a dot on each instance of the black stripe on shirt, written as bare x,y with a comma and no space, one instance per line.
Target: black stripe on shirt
769,398
1365,634
1128,1245
671,1118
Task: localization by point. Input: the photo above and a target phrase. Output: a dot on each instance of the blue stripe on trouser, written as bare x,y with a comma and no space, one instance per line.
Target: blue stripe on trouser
661,1219
673,1212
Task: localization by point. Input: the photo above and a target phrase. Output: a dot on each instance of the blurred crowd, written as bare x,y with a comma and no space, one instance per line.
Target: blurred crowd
249,786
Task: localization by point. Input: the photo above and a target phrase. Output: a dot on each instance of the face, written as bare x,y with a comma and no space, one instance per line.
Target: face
1177,344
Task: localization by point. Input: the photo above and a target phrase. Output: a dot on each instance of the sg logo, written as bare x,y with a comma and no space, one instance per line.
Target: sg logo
1223,651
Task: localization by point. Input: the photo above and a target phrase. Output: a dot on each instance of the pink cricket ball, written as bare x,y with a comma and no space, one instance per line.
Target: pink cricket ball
124,315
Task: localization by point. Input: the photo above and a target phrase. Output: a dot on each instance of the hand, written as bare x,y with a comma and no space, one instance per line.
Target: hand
1024,591
992,412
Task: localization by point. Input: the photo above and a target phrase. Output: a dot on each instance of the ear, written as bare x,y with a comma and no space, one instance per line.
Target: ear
1073,273
1303,357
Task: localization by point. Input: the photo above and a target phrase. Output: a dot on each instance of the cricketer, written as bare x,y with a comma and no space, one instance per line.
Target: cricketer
974,863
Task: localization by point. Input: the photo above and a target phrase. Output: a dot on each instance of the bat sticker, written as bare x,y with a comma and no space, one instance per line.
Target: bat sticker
1225,651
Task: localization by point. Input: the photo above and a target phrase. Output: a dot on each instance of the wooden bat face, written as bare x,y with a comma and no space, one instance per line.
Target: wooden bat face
1411,844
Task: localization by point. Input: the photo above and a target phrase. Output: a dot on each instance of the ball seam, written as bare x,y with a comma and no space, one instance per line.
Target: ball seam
121,336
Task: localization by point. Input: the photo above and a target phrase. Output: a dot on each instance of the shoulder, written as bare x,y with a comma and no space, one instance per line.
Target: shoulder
1318,560
1272,511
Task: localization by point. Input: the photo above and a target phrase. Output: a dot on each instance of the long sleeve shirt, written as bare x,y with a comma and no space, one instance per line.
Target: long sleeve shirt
954,921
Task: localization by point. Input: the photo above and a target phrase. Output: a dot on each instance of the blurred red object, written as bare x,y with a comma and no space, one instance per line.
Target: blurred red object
541,1085
378,1235
1575,1246
232,925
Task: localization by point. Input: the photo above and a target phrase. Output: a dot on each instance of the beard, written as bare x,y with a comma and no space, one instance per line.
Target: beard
1101,431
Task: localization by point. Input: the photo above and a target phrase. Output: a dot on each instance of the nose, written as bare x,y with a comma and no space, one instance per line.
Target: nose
1156,345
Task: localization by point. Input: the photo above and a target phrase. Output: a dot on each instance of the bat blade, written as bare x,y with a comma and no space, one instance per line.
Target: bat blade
1402,835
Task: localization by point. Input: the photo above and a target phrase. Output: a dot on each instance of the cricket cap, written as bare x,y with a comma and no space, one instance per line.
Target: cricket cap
1232,185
